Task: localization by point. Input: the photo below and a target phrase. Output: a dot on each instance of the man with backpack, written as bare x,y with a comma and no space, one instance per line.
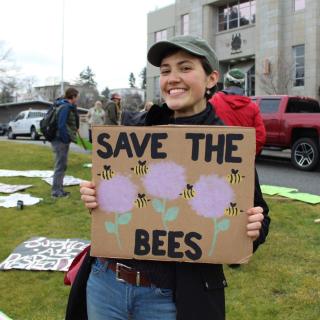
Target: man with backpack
67,124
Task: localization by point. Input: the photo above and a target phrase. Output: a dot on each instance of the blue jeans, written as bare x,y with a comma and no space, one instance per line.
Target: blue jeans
110,299
61,159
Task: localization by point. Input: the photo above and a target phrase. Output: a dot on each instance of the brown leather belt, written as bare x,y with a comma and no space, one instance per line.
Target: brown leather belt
127,274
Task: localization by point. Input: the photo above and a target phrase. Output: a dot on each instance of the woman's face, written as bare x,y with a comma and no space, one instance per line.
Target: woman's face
183,83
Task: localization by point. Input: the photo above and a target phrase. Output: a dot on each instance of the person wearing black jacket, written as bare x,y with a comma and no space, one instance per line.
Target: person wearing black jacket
187,291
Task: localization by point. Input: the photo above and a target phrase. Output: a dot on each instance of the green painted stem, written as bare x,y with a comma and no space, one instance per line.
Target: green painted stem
117,230
215,236
163,215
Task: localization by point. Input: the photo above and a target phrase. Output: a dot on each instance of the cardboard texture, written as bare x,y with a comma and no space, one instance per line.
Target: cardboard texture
173,193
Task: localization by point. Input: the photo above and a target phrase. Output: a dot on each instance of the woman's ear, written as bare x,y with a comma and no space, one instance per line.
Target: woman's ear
213,79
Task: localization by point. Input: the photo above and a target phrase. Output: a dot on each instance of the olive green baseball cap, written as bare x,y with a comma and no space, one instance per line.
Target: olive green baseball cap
191,44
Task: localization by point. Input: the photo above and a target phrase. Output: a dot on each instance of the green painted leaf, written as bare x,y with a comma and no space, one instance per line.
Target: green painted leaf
125,218
223,225
171,214
110,227
158,205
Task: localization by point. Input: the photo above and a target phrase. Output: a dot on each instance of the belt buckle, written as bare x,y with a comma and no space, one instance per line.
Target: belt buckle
118,277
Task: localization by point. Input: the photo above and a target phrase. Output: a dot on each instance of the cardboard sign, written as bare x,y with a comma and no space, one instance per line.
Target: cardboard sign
173,193
43,254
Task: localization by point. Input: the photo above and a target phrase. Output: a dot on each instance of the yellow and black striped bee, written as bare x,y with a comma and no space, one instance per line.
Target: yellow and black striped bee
232,210
188,193
141,201
234,177
107,173
140,169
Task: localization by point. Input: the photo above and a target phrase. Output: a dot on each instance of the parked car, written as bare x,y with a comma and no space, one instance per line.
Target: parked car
293,122
3,128
27,123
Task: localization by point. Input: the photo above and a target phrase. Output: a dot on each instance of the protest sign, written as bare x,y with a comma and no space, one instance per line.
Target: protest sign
173,193
43,254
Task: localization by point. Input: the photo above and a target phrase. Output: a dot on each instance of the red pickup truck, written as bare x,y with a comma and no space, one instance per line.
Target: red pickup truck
293,122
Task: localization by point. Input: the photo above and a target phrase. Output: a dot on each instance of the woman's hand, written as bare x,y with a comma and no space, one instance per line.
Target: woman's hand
255,218
88,194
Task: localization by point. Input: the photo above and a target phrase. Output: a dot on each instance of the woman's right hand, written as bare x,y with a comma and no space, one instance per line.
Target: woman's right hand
88,194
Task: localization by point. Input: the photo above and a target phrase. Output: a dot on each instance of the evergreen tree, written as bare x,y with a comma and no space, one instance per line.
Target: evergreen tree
87,77
106,93
143,76
132,80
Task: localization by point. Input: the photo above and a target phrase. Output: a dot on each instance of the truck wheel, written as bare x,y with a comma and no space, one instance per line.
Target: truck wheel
305,154
33,133
10,134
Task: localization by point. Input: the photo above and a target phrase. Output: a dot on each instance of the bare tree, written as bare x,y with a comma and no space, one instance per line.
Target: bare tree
28,85
8,78
6,65
278,78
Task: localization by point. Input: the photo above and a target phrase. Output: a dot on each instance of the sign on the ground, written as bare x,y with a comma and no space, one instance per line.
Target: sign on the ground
40,253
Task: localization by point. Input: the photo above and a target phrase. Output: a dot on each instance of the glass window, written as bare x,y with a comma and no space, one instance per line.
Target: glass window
185,24
156,87
299,5
223,17
269,105
236,14
302,106
161,35
298,56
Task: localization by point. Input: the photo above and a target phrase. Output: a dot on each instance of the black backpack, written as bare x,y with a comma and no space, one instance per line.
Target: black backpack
49,123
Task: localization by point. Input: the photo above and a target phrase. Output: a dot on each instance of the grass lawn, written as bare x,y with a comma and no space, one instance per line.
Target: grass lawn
282,281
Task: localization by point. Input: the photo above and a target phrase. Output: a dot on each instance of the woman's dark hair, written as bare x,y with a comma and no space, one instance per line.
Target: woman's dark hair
205,65
208,70
71,93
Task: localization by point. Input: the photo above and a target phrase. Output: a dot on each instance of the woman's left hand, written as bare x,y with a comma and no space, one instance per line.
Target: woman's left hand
255,218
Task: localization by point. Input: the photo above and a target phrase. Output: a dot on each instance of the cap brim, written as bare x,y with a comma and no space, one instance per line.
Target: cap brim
158,51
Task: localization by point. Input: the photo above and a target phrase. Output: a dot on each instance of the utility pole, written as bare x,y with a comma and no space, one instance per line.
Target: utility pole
62,48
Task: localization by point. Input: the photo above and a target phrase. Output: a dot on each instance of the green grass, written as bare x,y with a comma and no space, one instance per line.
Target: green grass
282,280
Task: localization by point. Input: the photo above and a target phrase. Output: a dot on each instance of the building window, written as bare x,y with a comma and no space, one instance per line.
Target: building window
185,24
298,54
156,88
160,35
236,14
299,5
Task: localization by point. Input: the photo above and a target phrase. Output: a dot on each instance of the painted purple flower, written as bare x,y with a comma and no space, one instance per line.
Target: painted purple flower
117,194
165,180
213,195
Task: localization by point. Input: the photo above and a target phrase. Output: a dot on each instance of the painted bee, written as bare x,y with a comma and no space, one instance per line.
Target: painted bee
141,201
232,210
188,193
107,173
234,177
140,169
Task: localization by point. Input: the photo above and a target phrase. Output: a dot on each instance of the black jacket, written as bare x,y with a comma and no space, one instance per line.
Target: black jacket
196,284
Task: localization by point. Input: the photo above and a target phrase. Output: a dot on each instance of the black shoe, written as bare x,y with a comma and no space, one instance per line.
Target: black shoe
63,194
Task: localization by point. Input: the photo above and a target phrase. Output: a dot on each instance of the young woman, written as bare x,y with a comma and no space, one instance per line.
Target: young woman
170,291
96,115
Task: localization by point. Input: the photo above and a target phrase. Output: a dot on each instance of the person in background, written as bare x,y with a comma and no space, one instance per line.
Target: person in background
68,124
147,106
235,109
113,110
96,115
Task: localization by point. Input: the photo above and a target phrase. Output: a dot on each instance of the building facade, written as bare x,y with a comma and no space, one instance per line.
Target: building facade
275,42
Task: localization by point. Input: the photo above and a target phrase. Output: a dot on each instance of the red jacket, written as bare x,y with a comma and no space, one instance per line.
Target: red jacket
235,110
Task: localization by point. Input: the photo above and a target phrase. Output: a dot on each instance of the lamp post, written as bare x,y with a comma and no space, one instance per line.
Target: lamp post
62,48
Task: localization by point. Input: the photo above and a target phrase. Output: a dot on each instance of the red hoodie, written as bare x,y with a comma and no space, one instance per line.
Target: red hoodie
235,110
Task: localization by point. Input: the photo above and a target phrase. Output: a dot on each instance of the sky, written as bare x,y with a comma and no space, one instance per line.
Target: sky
109,36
